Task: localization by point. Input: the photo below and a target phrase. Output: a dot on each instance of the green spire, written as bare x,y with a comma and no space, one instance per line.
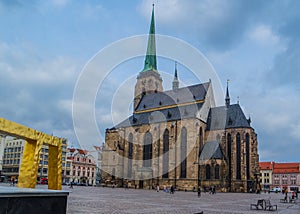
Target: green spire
150,60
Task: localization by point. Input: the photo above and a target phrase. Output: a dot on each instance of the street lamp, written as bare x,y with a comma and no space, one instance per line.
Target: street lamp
199,162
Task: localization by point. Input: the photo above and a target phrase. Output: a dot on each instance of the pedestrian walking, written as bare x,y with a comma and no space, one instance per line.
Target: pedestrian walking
172,190
157,188
199,191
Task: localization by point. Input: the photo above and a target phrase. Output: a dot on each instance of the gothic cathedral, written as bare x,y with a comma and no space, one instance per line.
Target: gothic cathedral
179,137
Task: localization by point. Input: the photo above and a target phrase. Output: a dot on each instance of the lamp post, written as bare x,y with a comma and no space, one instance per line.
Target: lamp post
199,162
199,178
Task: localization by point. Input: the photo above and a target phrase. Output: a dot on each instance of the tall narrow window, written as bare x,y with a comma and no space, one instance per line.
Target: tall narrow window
229,155
183,153
238,156
248,156
147,150
130,154
200,140
217,171
166,154
207,171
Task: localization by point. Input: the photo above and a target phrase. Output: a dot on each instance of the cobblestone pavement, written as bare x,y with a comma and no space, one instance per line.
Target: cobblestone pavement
118,200
108,200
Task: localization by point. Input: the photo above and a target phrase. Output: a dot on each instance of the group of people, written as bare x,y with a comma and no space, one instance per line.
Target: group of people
171,190
13,181
212,190
293,196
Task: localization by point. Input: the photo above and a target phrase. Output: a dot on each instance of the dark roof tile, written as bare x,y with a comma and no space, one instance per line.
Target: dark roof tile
171,97
223,117
211,150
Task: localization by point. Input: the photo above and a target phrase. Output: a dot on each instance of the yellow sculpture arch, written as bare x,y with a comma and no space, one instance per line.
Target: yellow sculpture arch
31,155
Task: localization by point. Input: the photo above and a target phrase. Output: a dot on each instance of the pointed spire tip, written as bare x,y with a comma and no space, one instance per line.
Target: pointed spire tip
150,60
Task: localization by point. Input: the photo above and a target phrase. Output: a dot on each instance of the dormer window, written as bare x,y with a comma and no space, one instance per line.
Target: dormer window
169,115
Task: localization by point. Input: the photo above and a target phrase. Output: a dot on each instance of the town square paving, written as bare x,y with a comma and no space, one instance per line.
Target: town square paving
120,200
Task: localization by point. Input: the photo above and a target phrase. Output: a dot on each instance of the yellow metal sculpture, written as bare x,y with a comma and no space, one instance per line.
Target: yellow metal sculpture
31,155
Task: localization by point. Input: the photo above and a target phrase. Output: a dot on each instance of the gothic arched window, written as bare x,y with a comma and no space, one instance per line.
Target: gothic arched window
183,153
166,154
147,150
200,139
130,154
229,155
207,171
248,156
217,171
238,156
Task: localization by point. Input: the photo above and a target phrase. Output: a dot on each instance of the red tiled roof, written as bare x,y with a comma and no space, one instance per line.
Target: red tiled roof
281,168
71,149
265,165
81,151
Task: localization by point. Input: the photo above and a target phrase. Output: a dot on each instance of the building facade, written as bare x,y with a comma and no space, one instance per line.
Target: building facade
97,154
2,145
280,175
12,159
84,167
179,137
266,175
286,175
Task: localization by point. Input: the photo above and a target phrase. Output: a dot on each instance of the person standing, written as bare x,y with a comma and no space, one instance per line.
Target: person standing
171,189
286,193
199,191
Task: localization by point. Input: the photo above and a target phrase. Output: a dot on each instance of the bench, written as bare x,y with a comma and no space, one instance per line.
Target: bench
283,200
259,205
269,206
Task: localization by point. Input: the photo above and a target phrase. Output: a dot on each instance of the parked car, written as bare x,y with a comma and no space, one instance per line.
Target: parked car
276,189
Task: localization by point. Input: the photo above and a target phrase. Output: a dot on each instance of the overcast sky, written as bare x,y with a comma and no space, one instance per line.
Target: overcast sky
45,45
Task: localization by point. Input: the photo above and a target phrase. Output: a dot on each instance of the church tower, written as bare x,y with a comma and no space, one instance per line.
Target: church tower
148,80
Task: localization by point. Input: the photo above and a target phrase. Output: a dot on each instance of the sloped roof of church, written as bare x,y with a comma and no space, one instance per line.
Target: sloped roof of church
211,150
227,117
164,115
173,97
168,106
